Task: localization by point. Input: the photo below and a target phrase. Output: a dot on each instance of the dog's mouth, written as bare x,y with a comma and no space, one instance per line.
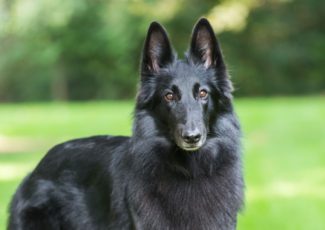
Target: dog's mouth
190,146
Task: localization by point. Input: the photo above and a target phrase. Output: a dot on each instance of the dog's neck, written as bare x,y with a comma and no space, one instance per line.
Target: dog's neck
190,164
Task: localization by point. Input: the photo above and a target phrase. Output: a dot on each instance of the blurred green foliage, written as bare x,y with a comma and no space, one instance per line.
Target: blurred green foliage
90,49
281,51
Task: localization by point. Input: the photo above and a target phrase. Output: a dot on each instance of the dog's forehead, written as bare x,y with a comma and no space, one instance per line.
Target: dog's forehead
183,73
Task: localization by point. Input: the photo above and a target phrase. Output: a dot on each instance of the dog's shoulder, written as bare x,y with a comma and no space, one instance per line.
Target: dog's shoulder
92,143
82,154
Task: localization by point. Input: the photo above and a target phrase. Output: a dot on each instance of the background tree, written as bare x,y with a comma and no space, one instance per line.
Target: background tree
90,49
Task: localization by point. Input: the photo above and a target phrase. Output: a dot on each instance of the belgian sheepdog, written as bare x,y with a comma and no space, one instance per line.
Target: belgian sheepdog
180,169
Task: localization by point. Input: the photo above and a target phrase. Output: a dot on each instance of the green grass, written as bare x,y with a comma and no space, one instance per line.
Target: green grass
284,152
284,142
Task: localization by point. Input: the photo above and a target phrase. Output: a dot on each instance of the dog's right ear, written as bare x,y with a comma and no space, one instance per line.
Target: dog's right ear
204,47
157,51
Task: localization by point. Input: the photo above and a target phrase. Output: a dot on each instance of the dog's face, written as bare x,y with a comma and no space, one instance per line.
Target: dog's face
183,95
184,104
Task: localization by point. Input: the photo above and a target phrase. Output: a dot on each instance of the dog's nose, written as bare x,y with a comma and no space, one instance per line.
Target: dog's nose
192,137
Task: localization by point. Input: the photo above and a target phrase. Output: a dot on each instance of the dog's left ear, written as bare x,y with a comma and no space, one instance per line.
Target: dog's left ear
204,47
157,51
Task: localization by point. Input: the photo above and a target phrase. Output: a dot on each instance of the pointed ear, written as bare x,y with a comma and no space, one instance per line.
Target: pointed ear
157,51
204,47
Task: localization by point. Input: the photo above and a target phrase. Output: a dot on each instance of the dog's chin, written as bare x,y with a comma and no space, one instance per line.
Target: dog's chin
190,148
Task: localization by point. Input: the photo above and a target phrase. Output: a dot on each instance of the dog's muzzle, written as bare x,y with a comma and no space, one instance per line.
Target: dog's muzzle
190,139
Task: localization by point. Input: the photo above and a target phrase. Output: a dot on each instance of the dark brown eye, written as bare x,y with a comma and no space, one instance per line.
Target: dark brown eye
203,94
169,96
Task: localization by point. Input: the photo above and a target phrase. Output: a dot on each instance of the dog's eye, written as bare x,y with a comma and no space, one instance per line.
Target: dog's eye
170,97
203,94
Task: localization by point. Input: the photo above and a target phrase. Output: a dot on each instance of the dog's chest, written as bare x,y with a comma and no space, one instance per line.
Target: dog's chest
181,205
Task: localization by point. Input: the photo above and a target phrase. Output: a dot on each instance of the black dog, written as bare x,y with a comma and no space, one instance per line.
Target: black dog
181,168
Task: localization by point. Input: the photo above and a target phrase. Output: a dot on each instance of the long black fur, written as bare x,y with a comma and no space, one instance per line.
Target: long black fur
150,180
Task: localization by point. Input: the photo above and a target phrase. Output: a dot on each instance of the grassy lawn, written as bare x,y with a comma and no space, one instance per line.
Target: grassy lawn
284,147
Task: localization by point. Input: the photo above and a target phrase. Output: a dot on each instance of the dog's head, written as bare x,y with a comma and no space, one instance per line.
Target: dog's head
183,96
